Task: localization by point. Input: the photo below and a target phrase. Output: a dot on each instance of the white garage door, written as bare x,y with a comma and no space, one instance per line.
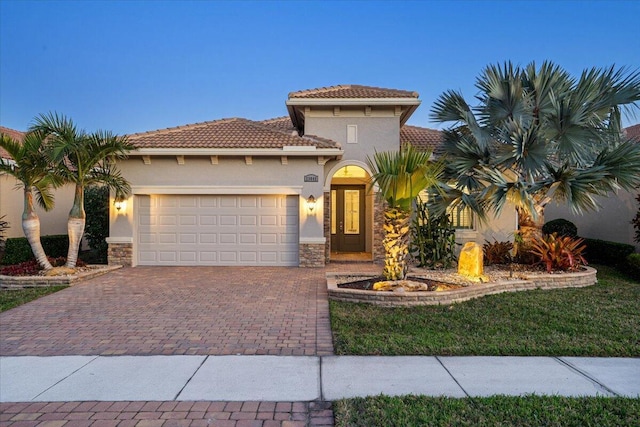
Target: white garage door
218,230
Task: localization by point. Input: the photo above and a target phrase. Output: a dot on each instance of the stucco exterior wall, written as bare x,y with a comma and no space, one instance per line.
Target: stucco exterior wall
231,175
499,228
612,222
12,205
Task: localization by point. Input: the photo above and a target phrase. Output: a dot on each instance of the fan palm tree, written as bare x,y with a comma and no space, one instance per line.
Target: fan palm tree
539,135
400,177
30,167
83,159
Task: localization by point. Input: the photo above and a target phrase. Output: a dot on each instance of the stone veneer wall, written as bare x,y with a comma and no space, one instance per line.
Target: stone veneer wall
327,226
120,254
312,255
378,229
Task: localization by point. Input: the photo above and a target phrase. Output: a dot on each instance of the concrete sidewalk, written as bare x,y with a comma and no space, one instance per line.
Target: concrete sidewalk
306,378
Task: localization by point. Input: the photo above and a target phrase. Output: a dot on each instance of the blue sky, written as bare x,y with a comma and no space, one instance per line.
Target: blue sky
134,66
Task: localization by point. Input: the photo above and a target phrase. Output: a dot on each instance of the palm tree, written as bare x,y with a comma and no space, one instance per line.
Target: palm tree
539,135
30,167
83,159
400,177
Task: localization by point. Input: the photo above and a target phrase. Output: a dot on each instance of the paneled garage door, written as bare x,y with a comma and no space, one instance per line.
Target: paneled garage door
217,230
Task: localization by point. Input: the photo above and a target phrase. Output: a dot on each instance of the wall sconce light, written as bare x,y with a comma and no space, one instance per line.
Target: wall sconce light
120,205
311,203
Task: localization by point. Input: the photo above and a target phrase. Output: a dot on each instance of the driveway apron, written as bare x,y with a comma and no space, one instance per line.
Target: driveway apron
178,311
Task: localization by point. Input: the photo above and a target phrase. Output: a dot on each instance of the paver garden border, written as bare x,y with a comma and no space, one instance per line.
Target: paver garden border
21,282
580,279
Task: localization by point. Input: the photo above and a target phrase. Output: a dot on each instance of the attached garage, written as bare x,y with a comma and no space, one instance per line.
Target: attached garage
223,230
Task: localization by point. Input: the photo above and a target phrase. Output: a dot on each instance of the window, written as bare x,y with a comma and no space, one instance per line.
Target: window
461,216
352,134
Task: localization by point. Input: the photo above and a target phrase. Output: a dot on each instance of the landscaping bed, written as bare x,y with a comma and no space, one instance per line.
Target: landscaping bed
83,273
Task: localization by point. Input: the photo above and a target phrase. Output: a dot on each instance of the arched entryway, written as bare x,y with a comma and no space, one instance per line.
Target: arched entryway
350,213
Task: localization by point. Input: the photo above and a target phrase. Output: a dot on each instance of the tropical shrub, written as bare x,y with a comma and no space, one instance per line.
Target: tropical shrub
561,253
32,268
18,249
96,229
607,253
4,226
433,238
562,227
497,252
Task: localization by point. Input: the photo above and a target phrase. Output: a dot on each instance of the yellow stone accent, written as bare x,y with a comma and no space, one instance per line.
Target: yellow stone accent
470,263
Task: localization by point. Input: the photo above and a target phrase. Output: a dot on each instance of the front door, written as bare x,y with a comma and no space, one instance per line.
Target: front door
347,218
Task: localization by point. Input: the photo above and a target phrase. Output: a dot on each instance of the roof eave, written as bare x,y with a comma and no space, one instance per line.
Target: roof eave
295,151
352,101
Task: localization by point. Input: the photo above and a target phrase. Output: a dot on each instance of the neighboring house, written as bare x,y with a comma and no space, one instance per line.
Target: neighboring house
290,191
12,201
613,221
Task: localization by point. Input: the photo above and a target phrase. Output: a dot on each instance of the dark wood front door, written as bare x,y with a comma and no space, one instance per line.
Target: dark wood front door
347,218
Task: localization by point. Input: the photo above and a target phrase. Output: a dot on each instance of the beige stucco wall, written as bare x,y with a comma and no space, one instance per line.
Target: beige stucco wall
12,205
612,222
231,175
499,228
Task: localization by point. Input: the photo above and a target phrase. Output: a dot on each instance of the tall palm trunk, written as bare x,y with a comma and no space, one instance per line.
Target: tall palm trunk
396,243
31,228
75,226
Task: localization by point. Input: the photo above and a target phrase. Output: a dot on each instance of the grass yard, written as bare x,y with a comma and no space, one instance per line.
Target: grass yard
491,411
13,298
600,320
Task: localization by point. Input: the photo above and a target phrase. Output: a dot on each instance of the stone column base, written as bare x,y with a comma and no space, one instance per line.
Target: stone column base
311,255
120,254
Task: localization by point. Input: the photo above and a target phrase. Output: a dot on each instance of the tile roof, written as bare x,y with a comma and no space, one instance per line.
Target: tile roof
12,133
281,123
353,91
633,132
228,133
422,138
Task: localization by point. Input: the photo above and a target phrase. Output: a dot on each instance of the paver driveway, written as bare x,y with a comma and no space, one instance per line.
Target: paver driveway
178,310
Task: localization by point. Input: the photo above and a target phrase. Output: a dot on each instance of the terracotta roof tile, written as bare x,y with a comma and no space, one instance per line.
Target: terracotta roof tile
353,91
12,133
281,123
228,133
633,132
422,138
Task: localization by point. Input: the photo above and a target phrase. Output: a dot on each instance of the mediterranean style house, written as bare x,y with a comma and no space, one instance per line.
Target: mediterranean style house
289,191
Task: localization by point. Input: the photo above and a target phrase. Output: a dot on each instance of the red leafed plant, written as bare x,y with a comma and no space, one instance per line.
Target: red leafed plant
32,268
561,253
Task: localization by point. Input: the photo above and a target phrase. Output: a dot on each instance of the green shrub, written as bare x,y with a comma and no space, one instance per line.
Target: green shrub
607,253
632,266
433,239
562,227
96,229
17,249
636,222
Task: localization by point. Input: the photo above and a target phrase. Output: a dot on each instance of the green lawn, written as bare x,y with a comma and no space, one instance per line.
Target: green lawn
601,320
525,411
14,298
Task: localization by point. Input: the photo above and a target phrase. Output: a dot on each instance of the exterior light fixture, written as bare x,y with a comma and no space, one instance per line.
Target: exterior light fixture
120,205
311,203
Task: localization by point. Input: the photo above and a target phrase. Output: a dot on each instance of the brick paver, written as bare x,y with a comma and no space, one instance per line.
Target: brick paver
176,311
167,414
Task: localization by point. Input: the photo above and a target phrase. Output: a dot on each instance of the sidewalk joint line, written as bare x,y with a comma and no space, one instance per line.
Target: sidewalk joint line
585,375
191,377
454,378
320,379
58,382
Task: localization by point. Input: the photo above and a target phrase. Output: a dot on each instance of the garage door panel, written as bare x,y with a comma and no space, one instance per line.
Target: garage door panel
217,230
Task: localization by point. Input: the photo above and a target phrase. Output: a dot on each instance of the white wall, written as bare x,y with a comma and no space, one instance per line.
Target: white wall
612,222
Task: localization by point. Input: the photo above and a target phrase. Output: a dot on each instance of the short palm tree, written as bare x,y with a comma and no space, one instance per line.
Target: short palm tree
400,177
30,167
539,135
83,159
